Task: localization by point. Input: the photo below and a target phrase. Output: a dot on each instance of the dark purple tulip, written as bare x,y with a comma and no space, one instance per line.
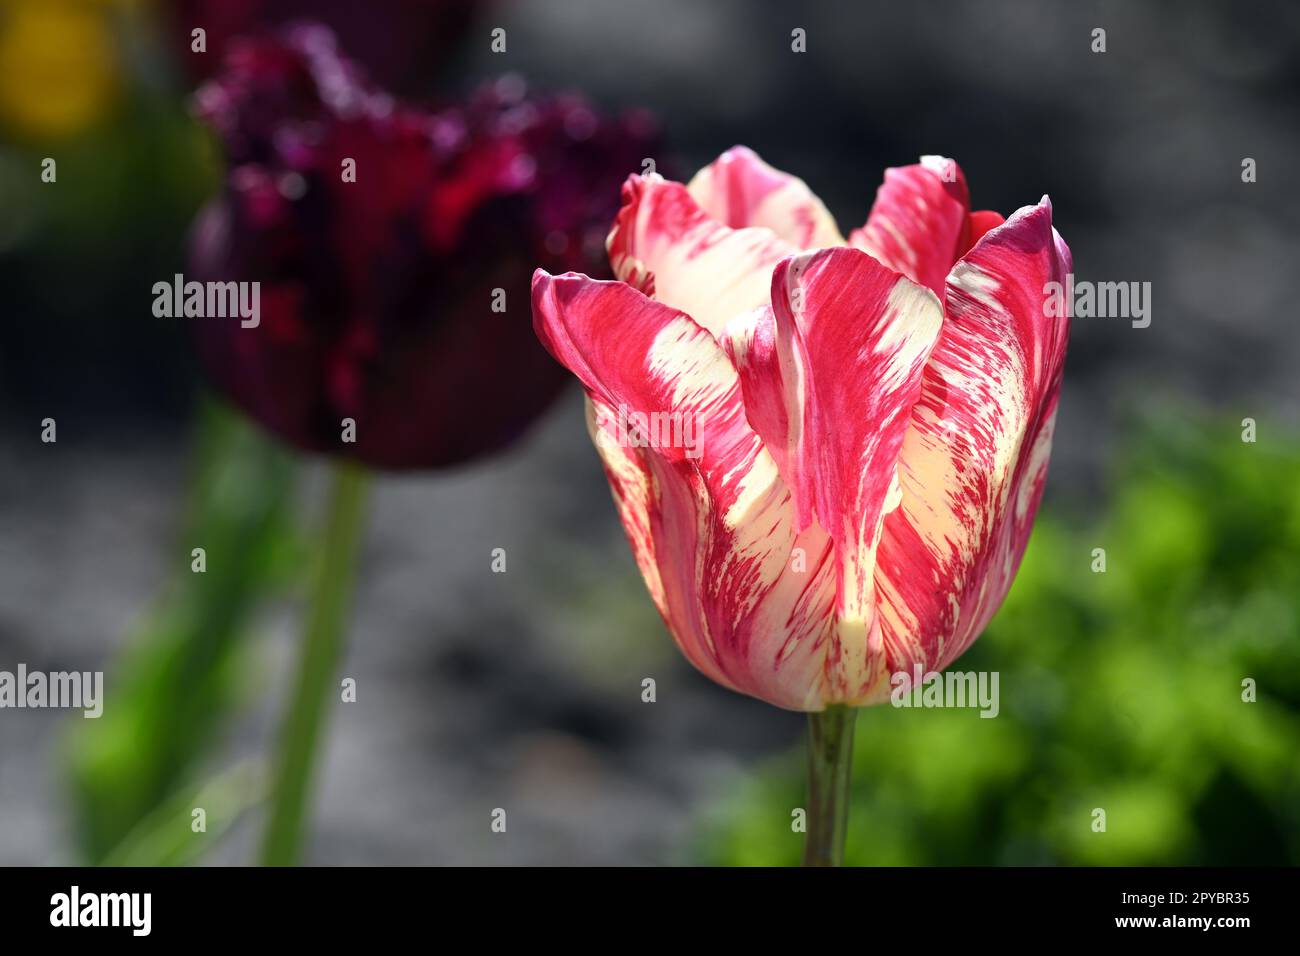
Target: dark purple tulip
399,42
376,299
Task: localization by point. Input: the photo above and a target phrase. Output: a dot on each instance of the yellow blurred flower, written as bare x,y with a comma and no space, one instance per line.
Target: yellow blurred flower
60,69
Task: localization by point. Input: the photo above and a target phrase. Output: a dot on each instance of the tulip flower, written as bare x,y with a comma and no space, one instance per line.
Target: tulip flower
836,449
391,248
398,41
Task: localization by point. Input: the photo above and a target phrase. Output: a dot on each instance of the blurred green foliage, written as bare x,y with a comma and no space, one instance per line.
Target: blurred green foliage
183,675
1120,690
169,835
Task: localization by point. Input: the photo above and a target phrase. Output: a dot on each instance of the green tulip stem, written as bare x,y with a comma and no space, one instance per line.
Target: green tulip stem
322,648
830,765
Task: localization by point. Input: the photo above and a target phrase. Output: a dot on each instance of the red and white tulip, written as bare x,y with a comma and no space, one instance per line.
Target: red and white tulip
872,418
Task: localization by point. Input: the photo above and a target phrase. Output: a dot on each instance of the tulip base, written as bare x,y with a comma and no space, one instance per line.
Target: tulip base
322,649
830,767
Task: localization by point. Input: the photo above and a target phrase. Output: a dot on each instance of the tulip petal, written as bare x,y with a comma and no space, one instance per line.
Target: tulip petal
746,595
919,223
663,244
738,190
770,391
975,456
981,221
830,375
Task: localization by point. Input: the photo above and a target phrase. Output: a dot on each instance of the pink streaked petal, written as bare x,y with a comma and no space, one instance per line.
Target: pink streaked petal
750,342
981,221
919,223
667,247
975,456
738,189
710,522
829,376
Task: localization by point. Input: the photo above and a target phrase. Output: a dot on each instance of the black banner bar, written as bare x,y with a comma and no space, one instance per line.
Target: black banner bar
307,905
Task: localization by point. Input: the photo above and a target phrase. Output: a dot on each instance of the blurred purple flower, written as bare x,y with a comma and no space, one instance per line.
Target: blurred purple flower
399,42
377,295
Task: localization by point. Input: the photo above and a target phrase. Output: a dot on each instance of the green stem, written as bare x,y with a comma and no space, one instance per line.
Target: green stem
322,649
830,765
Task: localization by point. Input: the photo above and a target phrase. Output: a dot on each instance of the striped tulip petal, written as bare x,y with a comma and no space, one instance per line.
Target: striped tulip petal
919,223
849,342
664,244
738,190
711,524
975,457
